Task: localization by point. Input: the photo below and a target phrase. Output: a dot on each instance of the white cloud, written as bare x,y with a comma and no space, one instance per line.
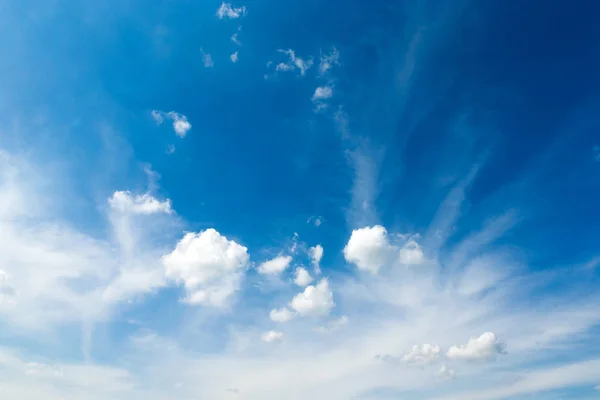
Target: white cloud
207,59
234,57
281,315
124,201
235,37
422,354
314,301
208,265
294,62
316,254
328,61
322,93
411,253
275,266
272,336
333,325
181,125
485,347
316,220
446,373
302,277
369,248
226,10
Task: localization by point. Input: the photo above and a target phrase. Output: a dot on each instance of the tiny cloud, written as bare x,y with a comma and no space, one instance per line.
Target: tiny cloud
275,266
226,10
485,347
272,336
181,125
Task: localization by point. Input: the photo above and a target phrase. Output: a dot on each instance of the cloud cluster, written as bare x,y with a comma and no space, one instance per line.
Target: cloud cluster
294,62
227,11
181,125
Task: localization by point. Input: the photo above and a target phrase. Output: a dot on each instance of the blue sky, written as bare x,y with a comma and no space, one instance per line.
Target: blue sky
267,200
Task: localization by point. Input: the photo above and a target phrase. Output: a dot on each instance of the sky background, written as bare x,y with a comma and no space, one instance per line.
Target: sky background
310,199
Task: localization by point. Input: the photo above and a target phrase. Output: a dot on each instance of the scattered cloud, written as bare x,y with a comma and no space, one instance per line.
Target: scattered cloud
314,301
315,220
446,373
322,93
170,149
234,57
209,266
422,354
181,125
485,347
207,59
226,10
281,315
275,266
333,325
411,253
272,336
235,37
302,277
316,254
294,62
124,201
328,61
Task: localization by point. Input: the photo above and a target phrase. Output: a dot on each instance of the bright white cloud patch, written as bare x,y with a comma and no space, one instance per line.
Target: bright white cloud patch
322,93
369,248
316,254
275,266
281,315
422,354
272,336
234,57
485,347
411,253
328,61
302,277
294,62
181,125
314,301
226,10
124,201
208,265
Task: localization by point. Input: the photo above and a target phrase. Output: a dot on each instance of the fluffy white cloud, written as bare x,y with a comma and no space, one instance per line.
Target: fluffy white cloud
181,125
314,301
124,201
485,347
272,336
302,277
316,254
275,266
281,315
294,62
234,57
328,61
411,253
422,354
226,10
322,93
208,265
369,248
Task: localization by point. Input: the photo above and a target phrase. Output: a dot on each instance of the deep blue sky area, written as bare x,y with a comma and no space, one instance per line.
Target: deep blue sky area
232,189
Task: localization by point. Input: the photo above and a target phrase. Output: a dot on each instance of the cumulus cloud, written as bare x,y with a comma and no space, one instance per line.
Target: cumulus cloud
411,253
272,336
234,57
294,62
125,201
281,315
316,254
208,265
226,10
181,125
328,61
322,93
369,248
485,347
302,277
422,354
275,266
314,301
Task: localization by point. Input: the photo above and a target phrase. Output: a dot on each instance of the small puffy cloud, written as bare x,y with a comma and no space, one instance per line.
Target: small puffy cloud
207,59
316,254
181,125
281,315
294,62
369,248
272,336
208,265
302,277
328,61
234,57
226,10
422,354
485,347
126,202
411,253
275,266
322,93
314,301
